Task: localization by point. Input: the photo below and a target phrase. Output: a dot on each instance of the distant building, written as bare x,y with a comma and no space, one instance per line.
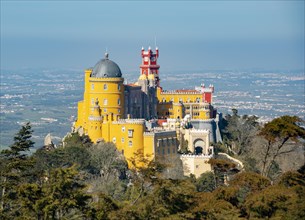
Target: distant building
142,117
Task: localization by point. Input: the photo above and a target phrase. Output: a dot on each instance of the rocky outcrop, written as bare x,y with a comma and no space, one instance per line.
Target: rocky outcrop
48,143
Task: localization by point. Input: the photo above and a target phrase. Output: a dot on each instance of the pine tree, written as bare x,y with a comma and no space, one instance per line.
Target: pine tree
277,133
14,161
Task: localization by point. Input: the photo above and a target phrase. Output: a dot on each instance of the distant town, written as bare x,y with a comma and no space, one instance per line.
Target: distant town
48,98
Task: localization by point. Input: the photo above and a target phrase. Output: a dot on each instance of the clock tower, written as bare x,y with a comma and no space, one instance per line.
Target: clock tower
149,66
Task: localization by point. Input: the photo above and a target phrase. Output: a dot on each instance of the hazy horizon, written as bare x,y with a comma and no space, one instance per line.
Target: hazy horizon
190,35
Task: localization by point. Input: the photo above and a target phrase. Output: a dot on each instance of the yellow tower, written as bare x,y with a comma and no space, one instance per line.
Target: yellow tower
103,83
95,122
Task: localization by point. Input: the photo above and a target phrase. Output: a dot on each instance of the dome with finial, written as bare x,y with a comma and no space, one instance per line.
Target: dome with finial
106,68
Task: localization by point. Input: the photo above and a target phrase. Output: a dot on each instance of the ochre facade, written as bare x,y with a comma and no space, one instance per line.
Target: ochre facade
129,114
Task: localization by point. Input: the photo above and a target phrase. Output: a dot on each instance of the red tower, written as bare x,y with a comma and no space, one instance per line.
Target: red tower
207,93
149,64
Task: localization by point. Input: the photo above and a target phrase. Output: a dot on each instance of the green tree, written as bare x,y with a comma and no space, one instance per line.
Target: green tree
277,133
207,206
15,163
144,173
273,202
104,206
222,168
206,182
109,168
239,131
60,196
62,156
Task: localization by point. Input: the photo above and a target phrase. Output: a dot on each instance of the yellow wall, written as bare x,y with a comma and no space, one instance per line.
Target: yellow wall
126,134
149,145
178,97
178,110
109,92
191,104
102,120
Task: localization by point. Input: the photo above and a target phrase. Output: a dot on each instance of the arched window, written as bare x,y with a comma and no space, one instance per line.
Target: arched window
119,101
105,101
92,86
119,87
130,143
105,87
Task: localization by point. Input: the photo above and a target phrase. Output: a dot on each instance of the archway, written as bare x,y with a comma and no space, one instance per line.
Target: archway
199,146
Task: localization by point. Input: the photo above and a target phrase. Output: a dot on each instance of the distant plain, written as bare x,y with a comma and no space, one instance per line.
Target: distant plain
48,98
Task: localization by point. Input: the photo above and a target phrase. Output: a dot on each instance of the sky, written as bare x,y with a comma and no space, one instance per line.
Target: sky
190,35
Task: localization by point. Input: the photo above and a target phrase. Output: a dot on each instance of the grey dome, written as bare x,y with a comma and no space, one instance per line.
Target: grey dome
106,68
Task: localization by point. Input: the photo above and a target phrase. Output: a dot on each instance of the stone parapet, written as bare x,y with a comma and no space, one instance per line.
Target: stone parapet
95,118
129,121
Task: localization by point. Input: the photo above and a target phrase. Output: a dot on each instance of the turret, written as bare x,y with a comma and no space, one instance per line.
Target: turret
149,64
95,123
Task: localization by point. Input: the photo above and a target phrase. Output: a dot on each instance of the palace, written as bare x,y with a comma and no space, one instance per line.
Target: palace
142,117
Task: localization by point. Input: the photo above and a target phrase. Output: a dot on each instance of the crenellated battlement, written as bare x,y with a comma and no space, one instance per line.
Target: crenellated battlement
95,118
130,121
116,112
160,133
198,131
201,156
174,92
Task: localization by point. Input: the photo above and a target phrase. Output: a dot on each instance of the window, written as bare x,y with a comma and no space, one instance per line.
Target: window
168,151
92,86
180,99
119,87
105,109
92,101
130,143
174,150
119,102
130,133
114,139
163,100
105,87
105,101
122,140
123,129
119,110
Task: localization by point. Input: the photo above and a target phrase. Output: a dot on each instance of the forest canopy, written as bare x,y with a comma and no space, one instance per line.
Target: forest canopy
82,180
